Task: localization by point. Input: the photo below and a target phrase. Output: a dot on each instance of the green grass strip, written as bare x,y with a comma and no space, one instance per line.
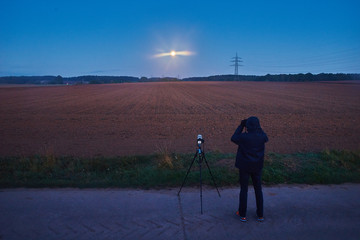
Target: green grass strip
169,170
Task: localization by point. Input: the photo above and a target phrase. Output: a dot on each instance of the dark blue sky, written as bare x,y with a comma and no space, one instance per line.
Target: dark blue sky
72,38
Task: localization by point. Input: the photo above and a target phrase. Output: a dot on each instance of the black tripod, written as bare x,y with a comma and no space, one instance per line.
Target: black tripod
201,156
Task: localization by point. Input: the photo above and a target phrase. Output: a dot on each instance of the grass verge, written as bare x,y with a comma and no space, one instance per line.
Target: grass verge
169,170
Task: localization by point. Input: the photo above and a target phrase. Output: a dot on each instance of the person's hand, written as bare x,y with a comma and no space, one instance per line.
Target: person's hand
243,123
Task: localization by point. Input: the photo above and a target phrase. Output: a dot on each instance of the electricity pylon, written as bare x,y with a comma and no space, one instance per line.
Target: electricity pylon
236,60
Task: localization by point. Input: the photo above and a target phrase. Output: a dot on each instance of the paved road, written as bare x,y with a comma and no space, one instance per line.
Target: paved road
292,212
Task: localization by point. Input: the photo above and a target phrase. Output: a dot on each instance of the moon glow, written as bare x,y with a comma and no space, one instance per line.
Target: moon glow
174,53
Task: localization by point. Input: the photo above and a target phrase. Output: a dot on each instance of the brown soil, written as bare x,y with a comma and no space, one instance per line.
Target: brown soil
144,118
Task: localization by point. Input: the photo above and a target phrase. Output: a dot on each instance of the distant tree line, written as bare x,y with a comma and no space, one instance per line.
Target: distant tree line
103,79
67,80
308,77
29,80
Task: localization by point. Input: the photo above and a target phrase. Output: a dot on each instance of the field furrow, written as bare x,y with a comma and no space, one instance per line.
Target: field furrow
143,118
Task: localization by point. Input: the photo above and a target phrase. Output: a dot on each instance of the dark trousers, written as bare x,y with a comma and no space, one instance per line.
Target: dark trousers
244,182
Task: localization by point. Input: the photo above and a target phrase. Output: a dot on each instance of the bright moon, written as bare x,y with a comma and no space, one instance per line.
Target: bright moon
174,53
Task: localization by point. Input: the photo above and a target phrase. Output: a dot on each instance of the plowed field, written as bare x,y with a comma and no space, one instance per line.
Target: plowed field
144,118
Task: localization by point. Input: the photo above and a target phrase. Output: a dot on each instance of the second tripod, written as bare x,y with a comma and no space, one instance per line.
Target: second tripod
200,154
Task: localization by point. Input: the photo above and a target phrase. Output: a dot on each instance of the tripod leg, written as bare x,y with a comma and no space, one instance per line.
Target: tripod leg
212,177
200,160
192,162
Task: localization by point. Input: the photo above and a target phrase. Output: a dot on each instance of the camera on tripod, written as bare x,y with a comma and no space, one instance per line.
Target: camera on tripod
200,140
200,154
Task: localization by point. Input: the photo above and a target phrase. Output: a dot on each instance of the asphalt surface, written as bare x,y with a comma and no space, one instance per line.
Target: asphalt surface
291,212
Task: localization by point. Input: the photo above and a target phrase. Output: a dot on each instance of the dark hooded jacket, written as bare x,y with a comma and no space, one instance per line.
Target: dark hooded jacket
251,146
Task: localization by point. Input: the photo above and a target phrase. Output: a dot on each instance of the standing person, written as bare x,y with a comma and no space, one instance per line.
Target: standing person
250,161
